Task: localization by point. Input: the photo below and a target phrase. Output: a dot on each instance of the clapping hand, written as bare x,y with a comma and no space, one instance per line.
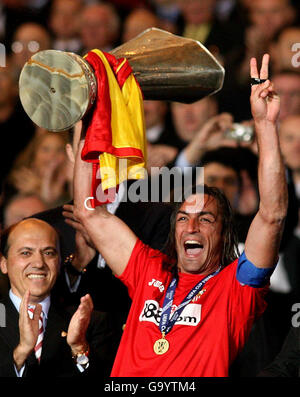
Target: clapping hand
29,331
76,337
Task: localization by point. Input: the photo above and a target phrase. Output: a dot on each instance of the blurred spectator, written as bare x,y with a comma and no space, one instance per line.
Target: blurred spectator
42,169
99,27
161,148
22,206
168,12
64,24
28,39
2,24
124,7
158,126
15,126
289,134
137,21
232,169
269,16
40,131
208,136
287,85
281,49
158,156
225,8
37,4
166,9
189,118
14,13
211,136
196,13
209,133
199,22
266,18
222,170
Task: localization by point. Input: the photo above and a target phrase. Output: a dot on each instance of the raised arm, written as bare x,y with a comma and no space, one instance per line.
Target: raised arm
262,243
111,236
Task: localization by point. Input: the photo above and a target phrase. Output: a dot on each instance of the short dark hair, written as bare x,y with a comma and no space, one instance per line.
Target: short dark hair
227,156
238,158
230,249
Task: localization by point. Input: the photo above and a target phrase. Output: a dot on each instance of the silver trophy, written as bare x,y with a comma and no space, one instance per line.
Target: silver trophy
58,88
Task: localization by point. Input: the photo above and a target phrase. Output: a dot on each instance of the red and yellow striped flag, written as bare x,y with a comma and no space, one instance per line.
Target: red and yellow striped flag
116,128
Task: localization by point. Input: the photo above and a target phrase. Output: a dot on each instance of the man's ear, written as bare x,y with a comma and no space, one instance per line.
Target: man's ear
70,153
3,264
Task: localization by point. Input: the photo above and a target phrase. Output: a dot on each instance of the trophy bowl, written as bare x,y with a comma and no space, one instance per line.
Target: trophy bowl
57,88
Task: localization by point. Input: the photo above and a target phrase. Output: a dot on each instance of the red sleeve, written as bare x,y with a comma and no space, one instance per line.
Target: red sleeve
142,260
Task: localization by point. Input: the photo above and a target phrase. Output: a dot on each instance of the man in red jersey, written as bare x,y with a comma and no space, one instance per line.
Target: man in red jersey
192,309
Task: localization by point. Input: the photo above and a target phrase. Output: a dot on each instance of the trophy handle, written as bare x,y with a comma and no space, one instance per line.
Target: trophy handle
170,67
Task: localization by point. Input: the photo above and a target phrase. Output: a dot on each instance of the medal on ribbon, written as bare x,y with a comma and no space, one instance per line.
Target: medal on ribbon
161,346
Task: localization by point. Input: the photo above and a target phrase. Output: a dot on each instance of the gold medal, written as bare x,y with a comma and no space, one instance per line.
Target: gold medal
161,346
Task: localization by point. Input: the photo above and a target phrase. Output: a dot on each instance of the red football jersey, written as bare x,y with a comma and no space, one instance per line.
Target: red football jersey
207,336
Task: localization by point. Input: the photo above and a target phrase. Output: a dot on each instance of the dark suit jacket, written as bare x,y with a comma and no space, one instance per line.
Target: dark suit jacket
56,359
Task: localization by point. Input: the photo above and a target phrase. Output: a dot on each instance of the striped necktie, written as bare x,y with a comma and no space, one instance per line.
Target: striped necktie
39,342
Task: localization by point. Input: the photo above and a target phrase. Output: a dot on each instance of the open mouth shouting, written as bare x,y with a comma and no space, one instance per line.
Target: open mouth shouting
193,247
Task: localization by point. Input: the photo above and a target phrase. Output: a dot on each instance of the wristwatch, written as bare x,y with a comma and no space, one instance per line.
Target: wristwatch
82,358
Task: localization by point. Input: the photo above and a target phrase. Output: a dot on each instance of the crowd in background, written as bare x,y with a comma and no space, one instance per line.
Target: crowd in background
36,174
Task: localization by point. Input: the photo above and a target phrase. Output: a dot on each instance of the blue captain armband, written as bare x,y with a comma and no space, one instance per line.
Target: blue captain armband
247,273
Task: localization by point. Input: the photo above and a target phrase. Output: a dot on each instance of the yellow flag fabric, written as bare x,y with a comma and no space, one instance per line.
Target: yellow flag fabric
116,133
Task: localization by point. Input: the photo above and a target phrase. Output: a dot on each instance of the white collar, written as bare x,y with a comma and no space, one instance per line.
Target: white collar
153,133
17,302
